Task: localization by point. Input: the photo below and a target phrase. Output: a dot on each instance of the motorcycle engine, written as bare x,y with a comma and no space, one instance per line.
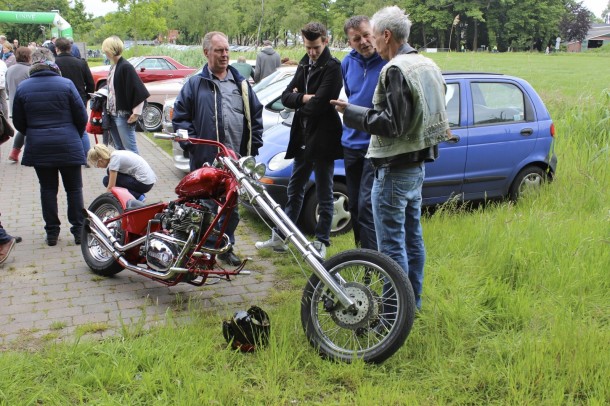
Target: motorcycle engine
178,220
161,254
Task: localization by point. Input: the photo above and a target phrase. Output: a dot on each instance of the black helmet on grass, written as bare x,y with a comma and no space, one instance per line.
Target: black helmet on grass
247,330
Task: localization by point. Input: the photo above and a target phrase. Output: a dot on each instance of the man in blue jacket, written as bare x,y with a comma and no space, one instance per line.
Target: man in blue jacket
211,106
360,70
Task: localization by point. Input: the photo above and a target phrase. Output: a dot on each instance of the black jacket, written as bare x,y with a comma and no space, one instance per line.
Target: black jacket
198,109
316,129
78,72
128,87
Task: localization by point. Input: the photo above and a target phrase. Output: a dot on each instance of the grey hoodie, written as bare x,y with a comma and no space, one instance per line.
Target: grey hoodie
267,61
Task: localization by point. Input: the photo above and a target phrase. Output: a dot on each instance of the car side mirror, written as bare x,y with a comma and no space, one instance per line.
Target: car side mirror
142,69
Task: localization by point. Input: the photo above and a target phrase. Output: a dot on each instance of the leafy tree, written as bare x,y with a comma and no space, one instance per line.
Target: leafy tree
194,19
139,19
575,22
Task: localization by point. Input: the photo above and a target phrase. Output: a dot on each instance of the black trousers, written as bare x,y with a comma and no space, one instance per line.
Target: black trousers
71,176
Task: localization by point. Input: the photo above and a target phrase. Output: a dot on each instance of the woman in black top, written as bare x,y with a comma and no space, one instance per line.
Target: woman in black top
126,96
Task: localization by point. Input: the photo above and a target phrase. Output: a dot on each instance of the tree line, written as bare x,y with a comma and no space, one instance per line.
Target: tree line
450,24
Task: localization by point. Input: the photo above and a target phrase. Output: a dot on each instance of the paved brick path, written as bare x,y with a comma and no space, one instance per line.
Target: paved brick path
46,293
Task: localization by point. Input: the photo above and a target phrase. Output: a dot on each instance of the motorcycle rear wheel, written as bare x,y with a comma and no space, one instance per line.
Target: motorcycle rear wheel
385,308
97,257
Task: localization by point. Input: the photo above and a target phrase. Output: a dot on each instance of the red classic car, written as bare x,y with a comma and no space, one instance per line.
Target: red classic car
149,68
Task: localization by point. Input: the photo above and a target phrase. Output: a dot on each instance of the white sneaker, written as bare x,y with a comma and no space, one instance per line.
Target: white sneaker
274,242
321,248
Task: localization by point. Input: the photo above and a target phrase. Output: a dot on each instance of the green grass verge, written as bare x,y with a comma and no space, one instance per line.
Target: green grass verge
515,309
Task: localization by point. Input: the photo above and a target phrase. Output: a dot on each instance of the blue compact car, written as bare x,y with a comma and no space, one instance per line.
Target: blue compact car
503,145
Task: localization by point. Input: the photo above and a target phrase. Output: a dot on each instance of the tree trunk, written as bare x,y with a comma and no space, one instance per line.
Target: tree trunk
475,41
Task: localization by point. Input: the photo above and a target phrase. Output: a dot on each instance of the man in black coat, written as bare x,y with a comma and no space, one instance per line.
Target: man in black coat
77,70
315,136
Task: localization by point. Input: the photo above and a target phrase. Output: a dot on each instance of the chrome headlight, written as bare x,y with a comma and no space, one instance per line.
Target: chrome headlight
278,162
259,171
247,163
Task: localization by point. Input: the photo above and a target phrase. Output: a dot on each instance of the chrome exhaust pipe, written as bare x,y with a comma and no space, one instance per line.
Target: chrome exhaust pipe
102,234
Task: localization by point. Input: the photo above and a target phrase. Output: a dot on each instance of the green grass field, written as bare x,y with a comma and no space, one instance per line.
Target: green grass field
516,308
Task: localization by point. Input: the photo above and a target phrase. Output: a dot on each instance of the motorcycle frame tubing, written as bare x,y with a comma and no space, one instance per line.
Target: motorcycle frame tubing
273,210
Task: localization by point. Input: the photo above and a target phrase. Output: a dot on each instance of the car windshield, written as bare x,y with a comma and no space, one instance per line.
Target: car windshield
135,60
275,76
273,90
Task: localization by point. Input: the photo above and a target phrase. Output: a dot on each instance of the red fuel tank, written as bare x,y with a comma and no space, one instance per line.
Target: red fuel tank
205,183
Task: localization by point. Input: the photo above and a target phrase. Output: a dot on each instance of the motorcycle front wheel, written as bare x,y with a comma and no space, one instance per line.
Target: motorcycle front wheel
96,256
384,314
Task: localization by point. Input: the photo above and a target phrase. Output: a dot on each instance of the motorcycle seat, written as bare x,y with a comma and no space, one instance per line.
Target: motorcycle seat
134,204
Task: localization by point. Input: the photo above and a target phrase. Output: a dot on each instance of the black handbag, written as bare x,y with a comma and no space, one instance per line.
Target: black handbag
6,129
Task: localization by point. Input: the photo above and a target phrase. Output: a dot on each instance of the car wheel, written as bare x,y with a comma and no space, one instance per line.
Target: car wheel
529,180
100,84
342,219
151,118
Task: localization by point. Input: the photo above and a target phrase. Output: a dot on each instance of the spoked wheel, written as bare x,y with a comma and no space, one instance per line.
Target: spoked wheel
385,308
95,254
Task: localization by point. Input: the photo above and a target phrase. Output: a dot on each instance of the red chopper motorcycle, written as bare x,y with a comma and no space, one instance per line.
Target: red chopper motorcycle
357,304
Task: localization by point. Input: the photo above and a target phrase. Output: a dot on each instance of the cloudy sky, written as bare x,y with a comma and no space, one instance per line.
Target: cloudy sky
596,6
98,8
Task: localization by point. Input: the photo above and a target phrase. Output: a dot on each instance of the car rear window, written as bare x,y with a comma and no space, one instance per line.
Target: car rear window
497,103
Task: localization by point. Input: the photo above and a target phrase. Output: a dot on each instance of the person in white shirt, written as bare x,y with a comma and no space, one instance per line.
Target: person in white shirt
125,169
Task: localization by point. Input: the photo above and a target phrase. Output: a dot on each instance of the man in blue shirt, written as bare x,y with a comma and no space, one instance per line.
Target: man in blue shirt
360,70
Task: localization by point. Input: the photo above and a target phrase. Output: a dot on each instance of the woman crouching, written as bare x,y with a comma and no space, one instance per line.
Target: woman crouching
125,169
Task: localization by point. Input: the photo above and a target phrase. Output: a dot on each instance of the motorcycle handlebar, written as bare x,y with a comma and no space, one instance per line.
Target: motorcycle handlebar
162,136
182,135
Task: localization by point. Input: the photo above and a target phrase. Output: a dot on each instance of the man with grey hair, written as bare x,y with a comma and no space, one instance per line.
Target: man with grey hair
407,122
219,104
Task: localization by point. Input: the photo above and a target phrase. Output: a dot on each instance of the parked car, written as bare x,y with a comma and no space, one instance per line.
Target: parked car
160,92
149,68
279,74
503,146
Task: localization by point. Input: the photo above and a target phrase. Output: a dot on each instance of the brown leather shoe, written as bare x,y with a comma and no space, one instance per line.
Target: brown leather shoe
6,249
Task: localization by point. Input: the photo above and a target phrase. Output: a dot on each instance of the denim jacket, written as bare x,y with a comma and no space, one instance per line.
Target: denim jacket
428,119
408,119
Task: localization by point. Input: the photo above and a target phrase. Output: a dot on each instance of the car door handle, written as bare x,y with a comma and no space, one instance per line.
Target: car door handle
527,131
454,139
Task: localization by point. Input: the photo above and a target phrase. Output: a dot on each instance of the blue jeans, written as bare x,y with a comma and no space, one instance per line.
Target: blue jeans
359,174
135,187
397,200
4,236
323,173
86,143
232,221
18,140
71,176
123,134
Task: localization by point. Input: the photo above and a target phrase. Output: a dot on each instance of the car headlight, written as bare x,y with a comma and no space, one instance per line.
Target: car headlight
278,162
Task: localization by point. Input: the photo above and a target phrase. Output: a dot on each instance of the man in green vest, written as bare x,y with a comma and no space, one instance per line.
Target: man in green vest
407,122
